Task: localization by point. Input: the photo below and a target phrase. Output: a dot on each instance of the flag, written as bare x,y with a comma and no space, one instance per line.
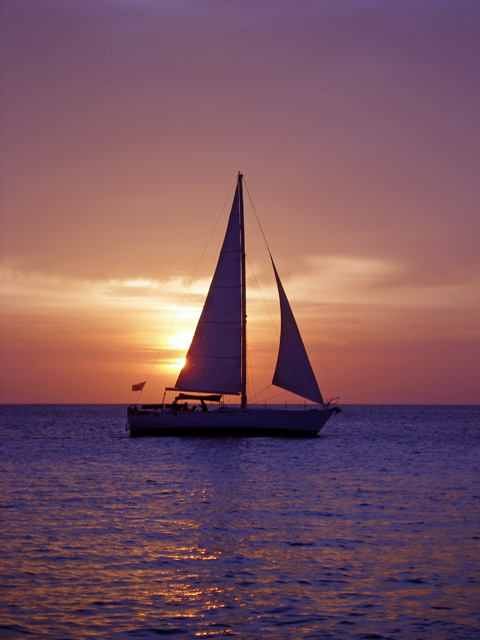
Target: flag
139,386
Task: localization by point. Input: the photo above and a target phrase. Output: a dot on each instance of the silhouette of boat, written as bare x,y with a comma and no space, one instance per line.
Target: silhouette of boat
215,363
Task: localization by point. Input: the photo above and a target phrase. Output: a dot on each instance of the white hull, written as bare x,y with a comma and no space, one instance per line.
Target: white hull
230,422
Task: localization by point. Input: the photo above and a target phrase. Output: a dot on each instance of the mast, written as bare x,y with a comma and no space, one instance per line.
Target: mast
244,295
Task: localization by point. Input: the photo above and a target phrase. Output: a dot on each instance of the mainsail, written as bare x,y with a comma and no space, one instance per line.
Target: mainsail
213,361
293,371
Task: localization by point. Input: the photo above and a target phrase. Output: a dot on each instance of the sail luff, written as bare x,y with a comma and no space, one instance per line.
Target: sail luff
293,371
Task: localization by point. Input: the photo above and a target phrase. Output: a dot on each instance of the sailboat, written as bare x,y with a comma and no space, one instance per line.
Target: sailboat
216,363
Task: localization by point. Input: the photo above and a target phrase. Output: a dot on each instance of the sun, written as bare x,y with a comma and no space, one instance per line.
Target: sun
173,365
180,341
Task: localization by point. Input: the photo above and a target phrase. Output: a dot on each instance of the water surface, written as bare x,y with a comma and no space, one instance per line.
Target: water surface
371,530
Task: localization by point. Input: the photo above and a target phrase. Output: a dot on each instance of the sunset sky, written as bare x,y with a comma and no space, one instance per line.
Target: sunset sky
356,126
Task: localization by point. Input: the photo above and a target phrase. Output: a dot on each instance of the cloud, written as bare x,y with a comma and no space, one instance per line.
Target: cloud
358,282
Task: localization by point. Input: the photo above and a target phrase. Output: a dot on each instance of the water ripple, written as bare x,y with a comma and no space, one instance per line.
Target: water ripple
370,531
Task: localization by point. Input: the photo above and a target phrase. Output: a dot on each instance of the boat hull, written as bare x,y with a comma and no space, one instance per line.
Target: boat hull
234,423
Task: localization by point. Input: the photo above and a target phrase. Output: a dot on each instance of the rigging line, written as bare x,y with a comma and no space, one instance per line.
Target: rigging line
258,219
188,287
276,395
252,272
249,361
250,374
251,378
261,391
270,254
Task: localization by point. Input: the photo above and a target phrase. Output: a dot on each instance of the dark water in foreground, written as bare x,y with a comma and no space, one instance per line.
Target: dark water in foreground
370,531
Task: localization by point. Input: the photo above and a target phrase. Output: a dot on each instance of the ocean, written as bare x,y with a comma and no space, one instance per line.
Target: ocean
370,531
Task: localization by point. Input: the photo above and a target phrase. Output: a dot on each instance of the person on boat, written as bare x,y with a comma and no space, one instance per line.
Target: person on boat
204,405
185,406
